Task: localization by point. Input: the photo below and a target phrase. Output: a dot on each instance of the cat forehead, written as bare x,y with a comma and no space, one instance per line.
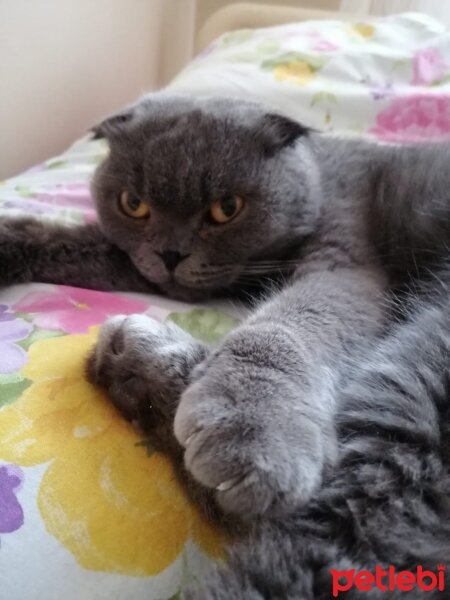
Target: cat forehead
161,114
179,136
193,130
186,142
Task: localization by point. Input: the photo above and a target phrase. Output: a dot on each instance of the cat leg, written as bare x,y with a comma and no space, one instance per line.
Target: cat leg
34,250
386,502
257,423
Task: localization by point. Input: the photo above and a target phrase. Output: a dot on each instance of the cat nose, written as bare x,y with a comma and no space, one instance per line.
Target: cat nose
171,258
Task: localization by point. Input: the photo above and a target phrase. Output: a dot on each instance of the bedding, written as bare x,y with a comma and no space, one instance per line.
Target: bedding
88,509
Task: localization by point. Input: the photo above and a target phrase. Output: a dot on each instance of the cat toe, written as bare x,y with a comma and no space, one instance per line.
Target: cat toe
143,365
252,469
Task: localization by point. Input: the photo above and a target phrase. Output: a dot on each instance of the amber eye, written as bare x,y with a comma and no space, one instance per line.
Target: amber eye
133,207
227,208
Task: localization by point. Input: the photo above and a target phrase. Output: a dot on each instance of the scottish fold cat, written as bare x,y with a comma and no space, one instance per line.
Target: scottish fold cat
317,432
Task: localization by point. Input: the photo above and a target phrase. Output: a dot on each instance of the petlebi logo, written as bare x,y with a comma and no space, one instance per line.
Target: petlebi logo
388,580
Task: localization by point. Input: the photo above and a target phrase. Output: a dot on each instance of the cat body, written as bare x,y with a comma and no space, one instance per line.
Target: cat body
318,430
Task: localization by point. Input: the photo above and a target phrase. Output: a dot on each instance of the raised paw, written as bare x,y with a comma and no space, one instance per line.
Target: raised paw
144,365
252,432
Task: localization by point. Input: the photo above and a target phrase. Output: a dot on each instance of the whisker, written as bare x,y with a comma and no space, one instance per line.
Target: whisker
274,262
261,270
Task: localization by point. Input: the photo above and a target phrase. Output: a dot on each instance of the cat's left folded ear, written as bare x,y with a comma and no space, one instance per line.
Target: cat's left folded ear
113,126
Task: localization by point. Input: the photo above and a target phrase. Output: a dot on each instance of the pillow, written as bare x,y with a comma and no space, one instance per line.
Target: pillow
386,77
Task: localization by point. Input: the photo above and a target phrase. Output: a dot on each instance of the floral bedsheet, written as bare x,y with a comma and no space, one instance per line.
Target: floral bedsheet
81,493
88,509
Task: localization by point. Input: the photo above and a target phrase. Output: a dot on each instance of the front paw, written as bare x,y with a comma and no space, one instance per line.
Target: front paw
144,365
252,431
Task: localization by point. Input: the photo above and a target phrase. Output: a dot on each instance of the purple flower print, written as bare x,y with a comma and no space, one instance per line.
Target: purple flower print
52,200
4,314
70,195
12,357
383,91
11,513
379,91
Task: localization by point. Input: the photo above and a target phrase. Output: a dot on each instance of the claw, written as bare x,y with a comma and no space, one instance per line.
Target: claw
227,485
190,438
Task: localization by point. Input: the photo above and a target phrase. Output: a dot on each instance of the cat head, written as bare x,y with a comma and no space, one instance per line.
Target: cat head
199,191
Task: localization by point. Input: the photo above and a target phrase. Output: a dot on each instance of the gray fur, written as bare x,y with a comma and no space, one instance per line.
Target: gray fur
314,462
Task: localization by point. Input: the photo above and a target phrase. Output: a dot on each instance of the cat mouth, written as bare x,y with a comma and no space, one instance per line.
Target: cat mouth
210,283
183,292
179,288
212,279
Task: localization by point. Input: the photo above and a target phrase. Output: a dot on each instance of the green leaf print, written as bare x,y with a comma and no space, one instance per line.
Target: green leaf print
12,387
261,50
323,98
442,81
56,164
25,191
399,64
147,444
315,62
268,47
207,324
245,57
38,334
236,37
95,159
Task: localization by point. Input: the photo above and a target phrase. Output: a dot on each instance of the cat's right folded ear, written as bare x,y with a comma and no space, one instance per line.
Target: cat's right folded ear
113,126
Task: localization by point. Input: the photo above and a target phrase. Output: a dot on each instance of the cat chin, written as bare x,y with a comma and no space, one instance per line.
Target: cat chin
171,288
185,294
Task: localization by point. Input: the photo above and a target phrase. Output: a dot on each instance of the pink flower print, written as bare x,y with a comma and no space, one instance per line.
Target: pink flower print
321,44
415,118
325,46
428,66
74,310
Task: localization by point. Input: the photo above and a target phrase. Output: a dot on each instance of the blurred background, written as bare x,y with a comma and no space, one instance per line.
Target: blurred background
64,64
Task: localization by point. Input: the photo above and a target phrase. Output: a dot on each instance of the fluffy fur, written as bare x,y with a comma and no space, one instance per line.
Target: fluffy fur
313,459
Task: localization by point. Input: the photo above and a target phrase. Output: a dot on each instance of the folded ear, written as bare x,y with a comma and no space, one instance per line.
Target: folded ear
113,126
277,131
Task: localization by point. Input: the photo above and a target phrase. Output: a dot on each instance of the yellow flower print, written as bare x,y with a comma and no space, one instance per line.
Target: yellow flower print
294,67
364,30
113,506
297,71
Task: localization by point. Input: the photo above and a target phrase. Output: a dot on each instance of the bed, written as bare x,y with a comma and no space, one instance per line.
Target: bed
88,509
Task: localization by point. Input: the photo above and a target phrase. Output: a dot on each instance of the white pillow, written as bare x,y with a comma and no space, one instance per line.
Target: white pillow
389,77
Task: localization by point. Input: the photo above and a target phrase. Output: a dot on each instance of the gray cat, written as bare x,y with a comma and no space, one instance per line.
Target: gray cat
318,431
